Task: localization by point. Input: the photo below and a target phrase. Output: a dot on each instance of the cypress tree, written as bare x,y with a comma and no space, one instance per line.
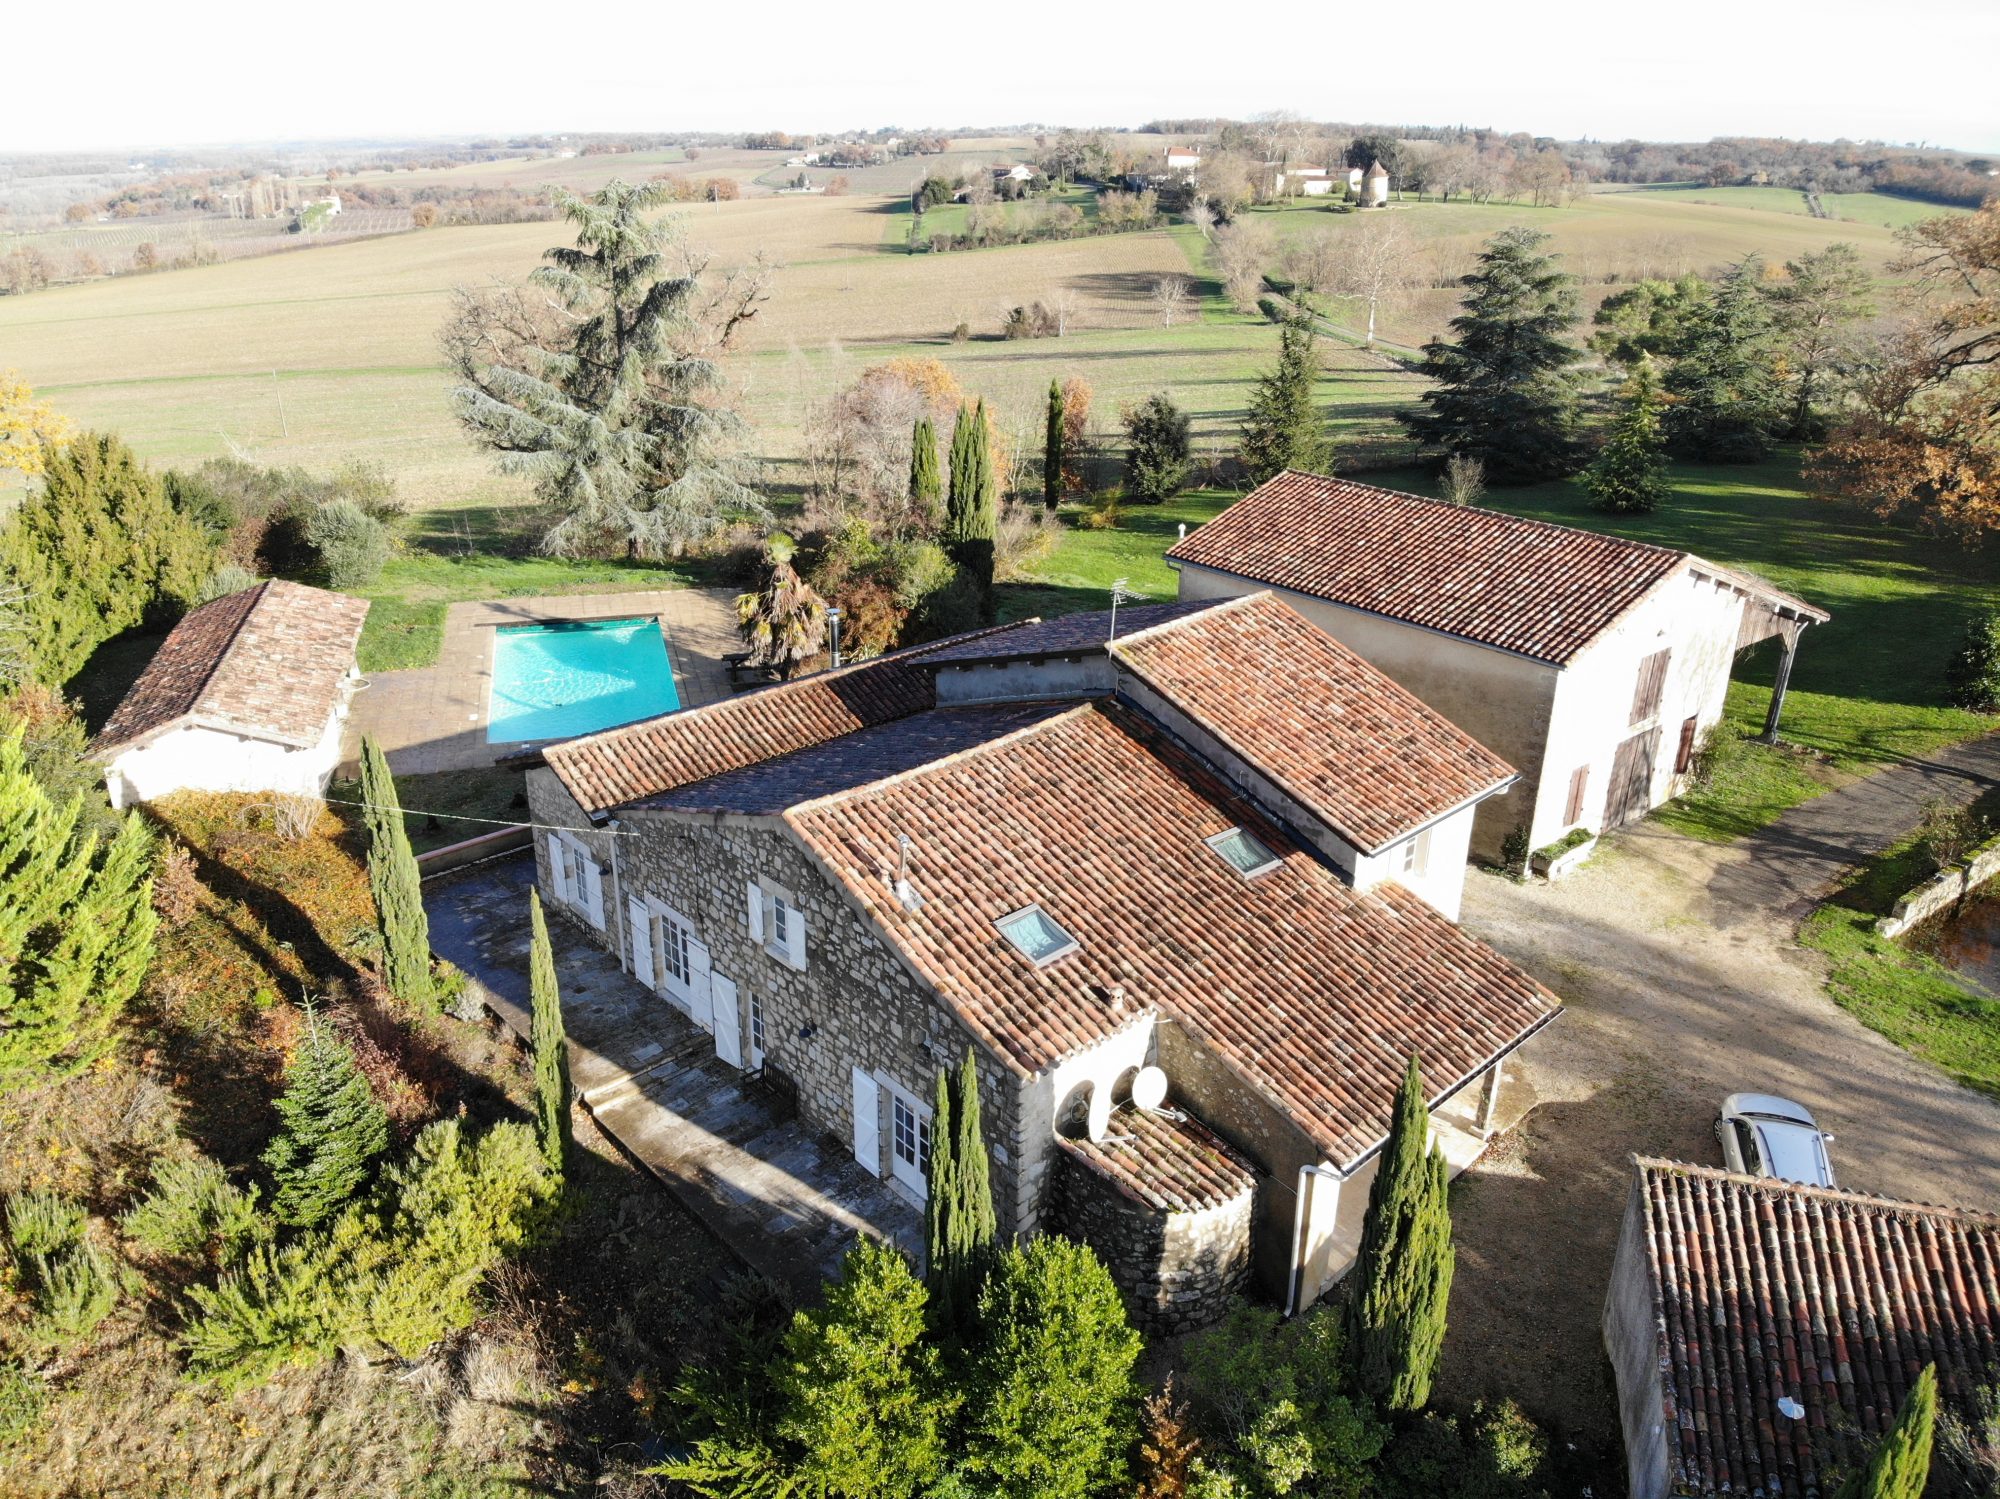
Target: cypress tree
398,890
1396,1317
976,1225
1053,434
940,1201
548,1041
1900,1465
1283,428
1630,474
926,483
330,1128
76,927
1503,390
970,510
959,1221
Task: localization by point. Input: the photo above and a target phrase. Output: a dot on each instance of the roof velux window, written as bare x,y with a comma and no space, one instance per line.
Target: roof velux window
1246,855
1036,936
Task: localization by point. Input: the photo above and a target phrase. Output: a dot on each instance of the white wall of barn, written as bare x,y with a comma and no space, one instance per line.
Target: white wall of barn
193,758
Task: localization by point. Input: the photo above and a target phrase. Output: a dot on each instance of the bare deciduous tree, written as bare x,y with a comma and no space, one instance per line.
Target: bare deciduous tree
1202,216
1173,300
1242,250
1464,480
1313,262
1063,304
1373,264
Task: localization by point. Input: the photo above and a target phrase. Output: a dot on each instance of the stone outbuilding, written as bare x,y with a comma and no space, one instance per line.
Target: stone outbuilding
1215,843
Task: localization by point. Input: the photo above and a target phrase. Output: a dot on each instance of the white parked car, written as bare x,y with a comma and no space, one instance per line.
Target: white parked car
1766,1136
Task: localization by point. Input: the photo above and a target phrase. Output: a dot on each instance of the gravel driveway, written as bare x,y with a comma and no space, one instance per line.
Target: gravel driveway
1683,980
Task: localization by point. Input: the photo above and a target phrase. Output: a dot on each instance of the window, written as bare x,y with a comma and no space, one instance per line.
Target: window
1684,752
676,965
756,1030
777,926
1246,855
1417,854
912,1138
1652,685
1036,936
1579,783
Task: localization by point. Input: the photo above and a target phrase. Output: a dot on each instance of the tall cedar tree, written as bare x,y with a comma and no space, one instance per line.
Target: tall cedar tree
1396,1316
609,408
330,1129
1900,1465
926,483
971,506
1053,432
1053,1406
1723,398
398,888
1629,474
1157,449
96,549
1283,428
784,621
548,1040
1503,389
76,927
1813,312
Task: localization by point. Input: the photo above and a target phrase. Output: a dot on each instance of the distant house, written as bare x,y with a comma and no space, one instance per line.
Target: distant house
1311,182
1013,172
1757,1328
1375,186
1592,663
1182,158
1217,844
1355,178
330,202
247,693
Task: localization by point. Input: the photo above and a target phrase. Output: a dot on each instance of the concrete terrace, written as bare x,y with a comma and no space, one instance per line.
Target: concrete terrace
433,718
785,1201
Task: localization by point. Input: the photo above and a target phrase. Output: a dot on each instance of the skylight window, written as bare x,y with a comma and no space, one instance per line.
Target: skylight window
1036,936
1246,855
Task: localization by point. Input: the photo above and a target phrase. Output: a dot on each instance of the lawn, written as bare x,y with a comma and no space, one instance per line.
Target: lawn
1912,999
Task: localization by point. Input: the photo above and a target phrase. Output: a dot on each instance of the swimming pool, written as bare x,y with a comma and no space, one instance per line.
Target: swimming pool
570,677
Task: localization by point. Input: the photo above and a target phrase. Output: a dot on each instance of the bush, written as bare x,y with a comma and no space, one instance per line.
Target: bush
1973,674
229,578
1496,1452
22,1397
350,544
69,1284
1156,460
41,1224
194,1209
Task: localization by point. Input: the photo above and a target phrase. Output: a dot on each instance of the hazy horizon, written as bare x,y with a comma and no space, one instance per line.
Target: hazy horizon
1571,71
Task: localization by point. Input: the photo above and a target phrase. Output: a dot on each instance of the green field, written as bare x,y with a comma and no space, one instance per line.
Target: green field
1875,210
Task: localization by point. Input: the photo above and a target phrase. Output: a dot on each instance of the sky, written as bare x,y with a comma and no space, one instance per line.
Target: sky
127,75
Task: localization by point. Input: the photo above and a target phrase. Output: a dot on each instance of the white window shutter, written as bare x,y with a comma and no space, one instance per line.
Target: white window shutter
756,913
593,893
559,867
795,928
867,1130
642,943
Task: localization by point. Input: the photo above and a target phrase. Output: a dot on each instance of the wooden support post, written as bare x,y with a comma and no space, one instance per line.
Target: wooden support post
1790,636
1489,1099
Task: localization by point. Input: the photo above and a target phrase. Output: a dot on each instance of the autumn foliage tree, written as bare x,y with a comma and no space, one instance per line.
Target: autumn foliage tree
29,429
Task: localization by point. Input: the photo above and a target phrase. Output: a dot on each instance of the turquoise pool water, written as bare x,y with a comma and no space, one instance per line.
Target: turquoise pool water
558,680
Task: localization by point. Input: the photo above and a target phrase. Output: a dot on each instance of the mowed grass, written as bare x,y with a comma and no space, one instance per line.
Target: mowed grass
1879,210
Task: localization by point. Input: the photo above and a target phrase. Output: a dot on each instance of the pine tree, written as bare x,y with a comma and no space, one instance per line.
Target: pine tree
1283,428
76,927
1396,1317
971,506
1504,390
548,1041
330,1128
398,888
1900,1465
1053,1406
926,483
1724,401
1053,433
1629,475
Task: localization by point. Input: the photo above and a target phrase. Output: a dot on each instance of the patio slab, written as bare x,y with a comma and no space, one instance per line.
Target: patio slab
787,1202
433,718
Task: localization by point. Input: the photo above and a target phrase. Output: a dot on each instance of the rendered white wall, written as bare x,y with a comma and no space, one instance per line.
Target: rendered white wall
199,759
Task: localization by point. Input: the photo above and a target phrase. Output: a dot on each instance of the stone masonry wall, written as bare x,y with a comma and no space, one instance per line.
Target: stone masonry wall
1178,1271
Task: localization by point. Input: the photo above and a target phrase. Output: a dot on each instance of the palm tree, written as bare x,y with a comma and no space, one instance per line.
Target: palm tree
783,622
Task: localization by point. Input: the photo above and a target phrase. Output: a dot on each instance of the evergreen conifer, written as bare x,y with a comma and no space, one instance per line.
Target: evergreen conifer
1053,432
330,1128
397,886
1630,474
958,1207
926,483
1900,1465
1724,397
972,504
1396,1317
1283,428
548,1041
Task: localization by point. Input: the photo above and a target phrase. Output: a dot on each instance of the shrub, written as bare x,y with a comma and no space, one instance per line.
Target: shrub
351,544
1972,676
1495,1452
195,1209
22,1397
1156,459
40,1224
330,1130
1721,748
77,1291
1022,536
1948,831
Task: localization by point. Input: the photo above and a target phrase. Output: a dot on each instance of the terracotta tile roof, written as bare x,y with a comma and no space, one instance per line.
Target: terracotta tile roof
1314,995
1171,1165
1373,760
1065,635
268,662
1528,586
1765,1290
657,755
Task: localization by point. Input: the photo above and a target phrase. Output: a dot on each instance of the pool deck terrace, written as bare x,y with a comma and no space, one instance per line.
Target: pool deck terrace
434,718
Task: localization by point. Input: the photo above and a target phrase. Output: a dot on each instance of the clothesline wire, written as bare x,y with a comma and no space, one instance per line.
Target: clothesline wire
498,822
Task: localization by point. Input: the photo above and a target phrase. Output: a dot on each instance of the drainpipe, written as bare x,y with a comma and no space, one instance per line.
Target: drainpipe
1295,1288
617,913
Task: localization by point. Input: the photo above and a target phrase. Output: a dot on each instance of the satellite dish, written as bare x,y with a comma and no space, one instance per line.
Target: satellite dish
1149,1088
1790,1408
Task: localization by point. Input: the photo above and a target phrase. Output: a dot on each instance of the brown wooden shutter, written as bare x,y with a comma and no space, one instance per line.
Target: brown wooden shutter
1651,685
1684,755
1579,782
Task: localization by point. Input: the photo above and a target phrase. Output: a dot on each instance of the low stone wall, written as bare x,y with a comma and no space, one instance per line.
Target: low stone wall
472,850
1941,891
1178,1270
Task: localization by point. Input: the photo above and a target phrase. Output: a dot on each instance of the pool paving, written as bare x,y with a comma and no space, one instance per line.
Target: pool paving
434,718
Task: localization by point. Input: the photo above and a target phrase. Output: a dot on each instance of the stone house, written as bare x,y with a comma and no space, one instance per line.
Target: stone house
1218,845
1752,1322
247,693
1595,664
